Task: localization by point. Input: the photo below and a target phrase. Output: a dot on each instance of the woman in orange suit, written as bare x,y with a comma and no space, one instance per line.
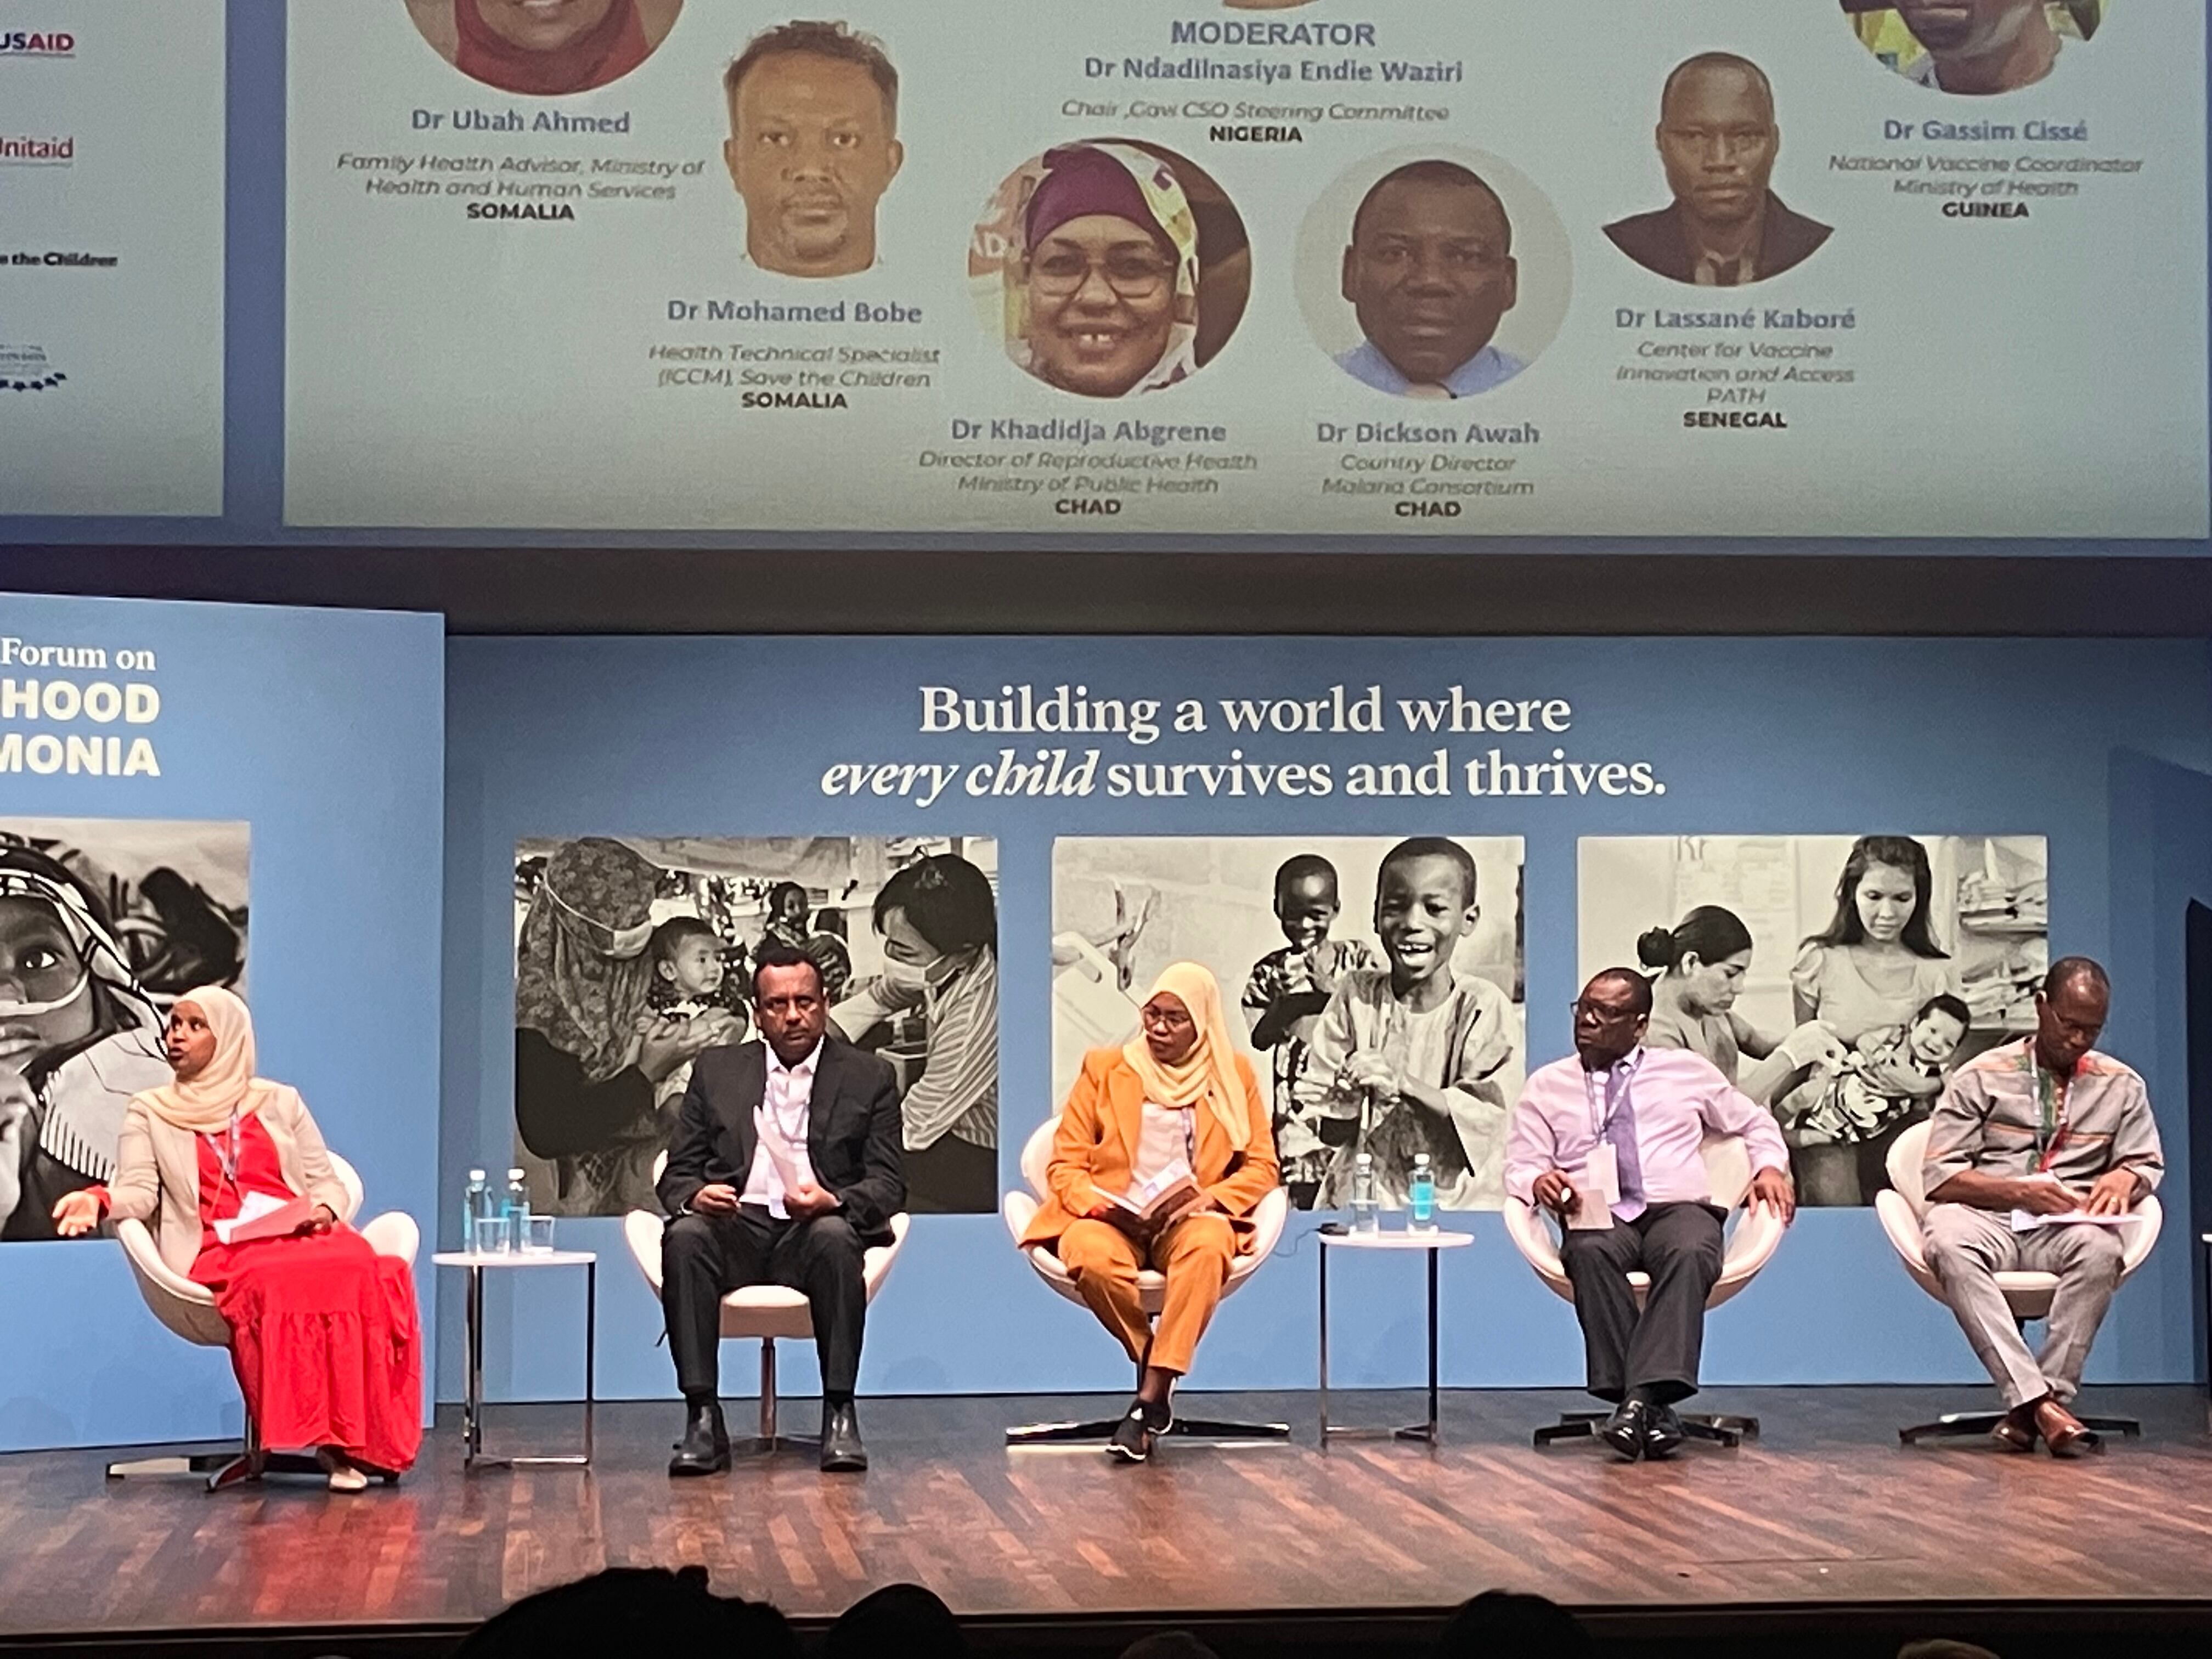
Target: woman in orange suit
1177,1097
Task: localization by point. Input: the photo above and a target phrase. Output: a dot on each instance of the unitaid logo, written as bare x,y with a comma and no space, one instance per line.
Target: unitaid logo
32,43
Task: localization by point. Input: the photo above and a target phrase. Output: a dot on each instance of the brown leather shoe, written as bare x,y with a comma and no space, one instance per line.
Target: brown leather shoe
2062,1432
2017,1431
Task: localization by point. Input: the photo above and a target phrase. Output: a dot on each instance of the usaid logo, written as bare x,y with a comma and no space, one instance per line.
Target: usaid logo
35,43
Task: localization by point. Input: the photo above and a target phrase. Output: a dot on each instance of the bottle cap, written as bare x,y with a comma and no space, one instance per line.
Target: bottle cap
1420,1160
1364,1157
515,1175
475,1175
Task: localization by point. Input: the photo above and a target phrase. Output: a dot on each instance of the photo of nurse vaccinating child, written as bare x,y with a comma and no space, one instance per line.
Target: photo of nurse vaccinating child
634,956
1382,989
103,923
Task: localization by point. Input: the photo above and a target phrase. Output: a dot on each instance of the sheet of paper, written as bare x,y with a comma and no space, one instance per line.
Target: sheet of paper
1598,1191
252,1208
2026,1221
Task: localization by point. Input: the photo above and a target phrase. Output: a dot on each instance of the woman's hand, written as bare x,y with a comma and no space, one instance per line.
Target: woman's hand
670,1044
77,1214
321,1222
17,1100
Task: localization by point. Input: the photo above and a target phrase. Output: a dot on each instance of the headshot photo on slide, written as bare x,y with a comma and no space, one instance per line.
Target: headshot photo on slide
1435,273
1975,48
1108,267
813,146
544,48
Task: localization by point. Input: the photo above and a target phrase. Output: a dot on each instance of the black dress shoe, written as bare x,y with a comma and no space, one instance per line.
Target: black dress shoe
1625,1430
705,1448
1662,1431
841,1450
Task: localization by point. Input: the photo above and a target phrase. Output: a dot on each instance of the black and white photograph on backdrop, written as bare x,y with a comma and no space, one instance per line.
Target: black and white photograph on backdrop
1380,984
104,922
634,956
1838,981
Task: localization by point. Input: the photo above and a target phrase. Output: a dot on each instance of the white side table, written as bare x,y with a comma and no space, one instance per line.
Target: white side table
1432,1244
472,1400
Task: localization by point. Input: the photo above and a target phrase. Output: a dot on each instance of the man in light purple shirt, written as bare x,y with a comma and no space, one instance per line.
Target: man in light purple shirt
1645,1112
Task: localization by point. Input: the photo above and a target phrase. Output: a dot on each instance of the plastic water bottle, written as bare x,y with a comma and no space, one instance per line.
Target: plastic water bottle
475,1200
516,1213
1421,1196
1366,1208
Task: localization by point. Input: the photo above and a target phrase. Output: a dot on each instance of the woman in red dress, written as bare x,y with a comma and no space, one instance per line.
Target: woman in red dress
324,1337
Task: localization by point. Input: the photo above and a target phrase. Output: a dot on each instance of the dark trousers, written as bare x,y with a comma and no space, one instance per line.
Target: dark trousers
953,1177
1656,1351
704,1257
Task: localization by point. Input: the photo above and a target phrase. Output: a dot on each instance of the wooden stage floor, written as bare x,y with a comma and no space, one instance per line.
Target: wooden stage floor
1825,1510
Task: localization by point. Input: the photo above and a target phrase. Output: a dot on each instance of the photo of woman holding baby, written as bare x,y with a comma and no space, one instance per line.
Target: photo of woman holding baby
1876,978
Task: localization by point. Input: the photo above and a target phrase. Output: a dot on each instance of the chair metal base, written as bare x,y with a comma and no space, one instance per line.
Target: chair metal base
1101,1429
223,1469
769,1445
1712,1428
1963,1425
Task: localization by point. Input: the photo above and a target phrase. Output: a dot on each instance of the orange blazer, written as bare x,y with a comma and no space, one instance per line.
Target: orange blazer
1097,1143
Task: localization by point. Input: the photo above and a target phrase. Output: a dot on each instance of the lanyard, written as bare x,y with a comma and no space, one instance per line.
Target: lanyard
2053,1096
226,1151
1600,1119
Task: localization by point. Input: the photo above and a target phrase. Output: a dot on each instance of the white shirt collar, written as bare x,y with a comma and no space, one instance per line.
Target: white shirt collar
804,1068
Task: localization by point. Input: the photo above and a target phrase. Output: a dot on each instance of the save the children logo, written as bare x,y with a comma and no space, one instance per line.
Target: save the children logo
37,43
27,368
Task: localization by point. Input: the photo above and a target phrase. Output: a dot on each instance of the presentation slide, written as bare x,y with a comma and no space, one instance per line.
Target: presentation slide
112,190
1359,267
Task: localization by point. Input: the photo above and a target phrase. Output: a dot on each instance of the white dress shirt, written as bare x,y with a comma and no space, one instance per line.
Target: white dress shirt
786,1099
1677,1098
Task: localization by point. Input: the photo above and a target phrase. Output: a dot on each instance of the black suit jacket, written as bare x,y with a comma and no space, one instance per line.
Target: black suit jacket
853,1131
1657,241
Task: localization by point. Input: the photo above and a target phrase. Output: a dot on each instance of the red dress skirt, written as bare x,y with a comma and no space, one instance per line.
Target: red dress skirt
323,1329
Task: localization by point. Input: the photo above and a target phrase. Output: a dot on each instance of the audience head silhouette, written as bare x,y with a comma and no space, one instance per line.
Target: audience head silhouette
900,1619
605,1613
1506,1625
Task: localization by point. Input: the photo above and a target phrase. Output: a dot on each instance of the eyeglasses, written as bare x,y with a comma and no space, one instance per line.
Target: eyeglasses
1605,1016
1133,273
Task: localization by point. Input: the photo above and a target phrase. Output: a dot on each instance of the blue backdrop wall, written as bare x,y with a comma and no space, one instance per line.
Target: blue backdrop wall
716,737
323,731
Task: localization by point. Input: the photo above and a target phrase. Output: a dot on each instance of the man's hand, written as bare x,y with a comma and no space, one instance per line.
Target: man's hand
715,1197
1772,1188
2116,1193
2043,1196
1367,1069
808,1201
1555,1193
77,1214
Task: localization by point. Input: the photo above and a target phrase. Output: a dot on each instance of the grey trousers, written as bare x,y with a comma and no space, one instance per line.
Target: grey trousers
1968,1248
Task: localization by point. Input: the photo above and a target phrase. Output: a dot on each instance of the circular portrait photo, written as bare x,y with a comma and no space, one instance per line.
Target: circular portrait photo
1110,267
1974,47
1434,273
813,146
1719,137
544,48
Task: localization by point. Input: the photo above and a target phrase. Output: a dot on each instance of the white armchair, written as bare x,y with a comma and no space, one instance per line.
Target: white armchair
189,1310
1751,1244
1903,1208
765,1313
1019,1208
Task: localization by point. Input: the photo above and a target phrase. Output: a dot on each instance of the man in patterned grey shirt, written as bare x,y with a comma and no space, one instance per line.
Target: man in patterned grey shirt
2046,1126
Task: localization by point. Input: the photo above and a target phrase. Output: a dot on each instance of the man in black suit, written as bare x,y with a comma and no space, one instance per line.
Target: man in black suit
784,1166
1719,139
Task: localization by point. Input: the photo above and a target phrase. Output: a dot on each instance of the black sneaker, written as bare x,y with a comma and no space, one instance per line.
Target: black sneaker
1133,1437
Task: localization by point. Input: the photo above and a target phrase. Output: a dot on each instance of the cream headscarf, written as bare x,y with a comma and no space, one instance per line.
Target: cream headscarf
1208,1071
225,1089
